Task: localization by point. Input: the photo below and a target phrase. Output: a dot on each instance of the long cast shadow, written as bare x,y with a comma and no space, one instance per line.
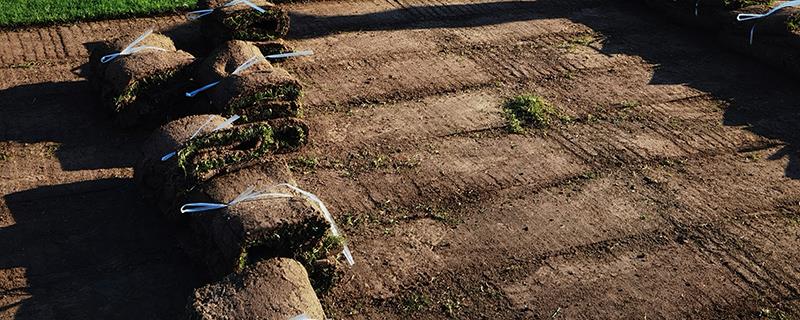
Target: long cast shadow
762,100
91,250
423,17
67,113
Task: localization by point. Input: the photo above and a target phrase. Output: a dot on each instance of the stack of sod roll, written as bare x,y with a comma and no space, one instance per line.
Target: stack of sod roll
215,163
259,92
773,39
241,20
142,86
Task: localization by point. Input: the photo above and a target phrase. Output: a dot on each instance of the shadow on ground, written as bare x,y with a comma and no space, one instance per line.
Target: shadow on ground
762,100
91,250
67,113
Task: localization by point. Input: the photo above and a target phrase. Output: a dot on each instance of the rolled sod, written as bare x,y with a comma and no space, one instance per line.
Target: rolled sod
250,231
226,58
143,86
258,95
273,47
247,232
150,169
271,289
199,159
242,22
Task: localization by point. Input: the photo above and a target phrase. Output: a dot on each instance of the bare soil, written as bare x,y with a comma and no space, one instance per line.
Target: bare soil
672,193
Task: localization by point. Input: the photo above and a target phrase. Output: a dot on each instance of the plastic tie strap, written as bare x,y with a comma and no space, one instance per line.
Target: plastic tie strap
753,16
194,15
223,125
248,195
290,54
131,48
696,8
247,64
251,195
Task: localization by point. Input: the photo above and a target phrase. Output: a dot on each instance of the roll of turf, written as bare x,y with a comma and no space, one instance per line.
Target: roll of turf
266,226
258,95
272,289
273,47
224,60
144,86
201,158
243,22
260,92
167,139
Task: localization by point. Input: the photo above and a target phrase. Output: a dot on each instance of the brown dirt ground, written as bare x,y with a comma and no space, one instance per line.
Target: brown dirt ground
673,193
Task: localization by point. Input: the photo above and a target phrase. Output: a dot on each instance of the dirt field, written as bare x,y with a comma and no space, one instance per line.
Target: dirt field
672,193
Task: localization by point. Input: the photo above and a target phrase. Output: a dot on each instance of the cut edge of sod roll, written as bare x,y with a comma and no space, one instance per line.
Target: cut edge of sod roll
259,95
243,22
250,231
150,172
204,156
145,85
271,289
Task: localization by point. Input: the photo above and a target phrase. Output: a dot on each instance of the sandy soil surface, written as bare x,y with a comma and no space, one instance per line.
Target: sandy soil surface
672,192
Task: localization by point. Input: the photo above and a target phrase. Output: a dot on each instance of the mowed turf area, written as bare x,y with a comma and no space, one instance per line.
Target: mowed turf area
16,13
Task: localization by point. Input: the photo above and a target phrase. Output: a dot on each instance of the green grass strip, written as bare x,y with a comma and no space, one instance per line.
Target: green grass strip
19,13
528,111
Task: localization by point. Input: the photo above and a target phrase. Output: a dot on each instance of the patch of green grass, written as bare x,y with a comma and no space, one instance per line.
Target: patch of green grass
793,23
529,111
304,165
252,25
773,314
288,92
415,302
450,307
630,104
329,244
188,153
18,13
737,4
130,94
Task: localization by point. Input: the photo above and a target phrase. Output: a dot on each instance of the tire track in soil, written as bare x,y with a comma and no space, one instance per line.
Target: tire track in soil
567,203
562,258
434,150
67,41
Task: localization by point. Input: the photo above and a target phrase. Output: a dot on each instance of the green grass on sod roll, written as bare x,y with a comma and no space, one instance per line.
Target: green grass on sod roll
18,13
793,23
737,4
233,137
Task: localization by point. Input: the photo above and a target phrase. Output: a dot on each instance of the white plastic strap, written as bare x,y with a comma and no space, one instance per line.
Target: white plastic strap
131,48
290,54
753,16
223,125
194,15
227,123
334,230
302,316
201,89
248,195
252,5
247,64
696,8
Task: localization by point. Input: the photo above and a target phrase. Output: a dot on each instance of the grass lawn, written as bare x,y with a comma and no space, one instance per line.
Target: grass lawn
15,13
